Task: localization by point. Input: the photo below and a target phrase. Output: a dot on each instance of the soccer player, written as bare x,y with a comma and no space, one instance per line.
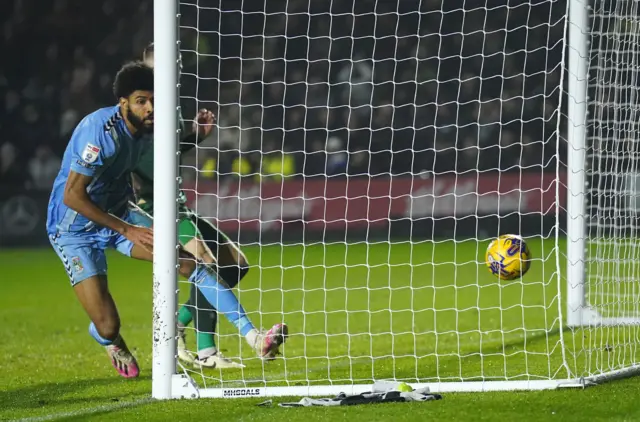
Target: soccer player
201,239
88,213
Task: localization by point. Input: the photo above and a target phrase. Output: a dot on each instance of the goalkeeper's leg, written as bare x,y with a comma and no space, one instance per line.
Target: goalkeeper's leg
232,263
198,307
222,298
205,316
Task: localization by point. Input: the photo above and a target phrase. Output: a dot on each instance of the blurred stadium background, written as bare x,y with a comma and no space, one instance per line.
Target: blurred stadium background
366,109
338,92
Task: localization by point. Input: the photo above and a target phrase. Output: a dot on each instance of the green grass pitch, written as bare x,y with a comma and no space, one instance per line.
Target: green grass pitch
434,313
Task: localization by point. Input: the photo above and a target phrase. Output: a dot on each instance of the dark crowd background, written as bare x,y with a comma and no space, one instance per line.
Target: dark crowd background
307,88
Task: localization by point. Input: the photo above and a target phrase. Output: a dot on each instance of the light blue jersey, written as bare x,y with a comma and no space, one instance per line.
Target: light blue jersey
102,147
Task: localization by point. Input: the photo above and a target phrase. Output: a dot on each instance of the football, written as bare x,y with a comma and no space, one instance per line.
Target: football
508,257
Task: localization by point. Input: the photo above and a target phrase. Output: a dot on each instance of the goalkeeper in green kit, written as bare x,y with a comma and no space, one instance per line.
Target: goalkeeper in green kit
212,247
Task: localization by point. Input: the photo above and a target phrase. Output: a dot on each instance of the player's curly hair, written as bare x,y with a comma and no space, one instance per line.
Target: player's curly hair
132,77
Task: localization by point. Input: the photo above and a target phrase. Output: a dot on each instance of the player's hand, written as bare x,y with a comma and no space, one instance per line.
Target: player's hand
141,236
204,122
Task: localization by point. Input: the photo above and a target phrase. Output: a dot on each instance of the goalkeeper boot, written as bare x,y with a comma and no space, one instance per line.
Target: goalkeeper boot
217,360
183,353
268,344
122,359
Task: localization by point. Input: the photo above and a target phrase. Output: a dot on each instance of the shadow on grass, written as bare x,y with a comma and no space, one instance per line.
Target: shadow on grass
427,374
522,344
531,339
43,395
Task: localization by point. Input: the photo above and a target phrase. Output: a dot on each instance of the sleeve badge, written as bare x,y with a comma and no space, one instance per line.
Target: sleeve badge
90,153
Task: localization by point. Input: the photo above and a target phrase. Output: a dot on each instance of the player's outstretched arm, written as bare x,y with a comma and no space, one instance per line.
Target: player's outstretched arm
76,198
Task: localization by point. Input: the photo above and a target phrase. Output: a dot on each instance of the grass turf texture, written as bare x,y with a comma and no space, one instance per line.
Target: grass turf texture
462,315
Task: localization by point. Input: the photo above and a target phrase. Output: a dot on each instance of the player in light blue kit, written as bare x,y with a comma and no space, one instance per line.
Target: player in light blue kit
88,213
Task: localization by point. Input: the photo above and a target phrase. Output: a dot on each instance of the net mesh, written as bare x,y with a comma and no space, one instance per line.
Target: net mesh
614,157
365,155
612,169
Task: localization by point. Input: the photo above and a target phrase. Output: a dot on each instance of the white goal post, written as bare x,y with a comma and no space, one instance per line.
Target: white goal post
165,256
377,262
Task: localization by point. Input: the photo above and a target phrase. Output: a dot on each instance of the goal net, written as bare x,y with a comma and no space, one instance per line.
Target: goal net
612,283
365,155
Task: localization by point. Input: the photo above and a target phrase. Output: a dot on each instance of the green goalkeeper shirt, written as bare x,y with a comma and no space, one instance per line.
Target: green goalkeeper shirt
143,173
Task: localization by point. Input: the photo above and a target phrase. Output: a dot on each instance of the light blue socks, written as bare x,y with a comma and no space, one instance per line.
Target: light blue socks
221,298
93,331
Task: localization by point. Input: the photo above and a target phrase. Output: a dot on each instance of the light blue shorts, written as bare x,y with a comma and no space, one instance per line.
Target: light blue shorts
83,253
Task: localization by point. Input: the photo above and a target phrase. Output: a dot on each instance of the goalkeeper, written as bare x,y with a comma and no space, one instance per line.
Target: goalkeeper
217,250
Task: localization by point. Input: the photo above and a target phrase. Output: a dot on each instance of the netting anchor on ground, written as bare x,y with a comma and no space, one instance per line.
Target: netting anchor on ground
184,387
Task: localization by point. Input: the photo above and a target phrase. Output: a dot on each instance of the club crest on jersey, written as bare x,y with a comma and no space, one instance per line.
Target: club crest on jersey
90,153
77,264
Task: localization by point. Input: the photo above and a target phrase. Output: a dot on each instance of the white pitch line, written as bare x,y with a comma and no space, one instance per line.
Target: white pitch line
87,412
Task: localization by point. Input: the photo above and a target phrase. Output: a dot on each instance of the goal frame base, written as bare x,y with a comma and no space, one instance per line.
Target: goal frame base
184,387
589,317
